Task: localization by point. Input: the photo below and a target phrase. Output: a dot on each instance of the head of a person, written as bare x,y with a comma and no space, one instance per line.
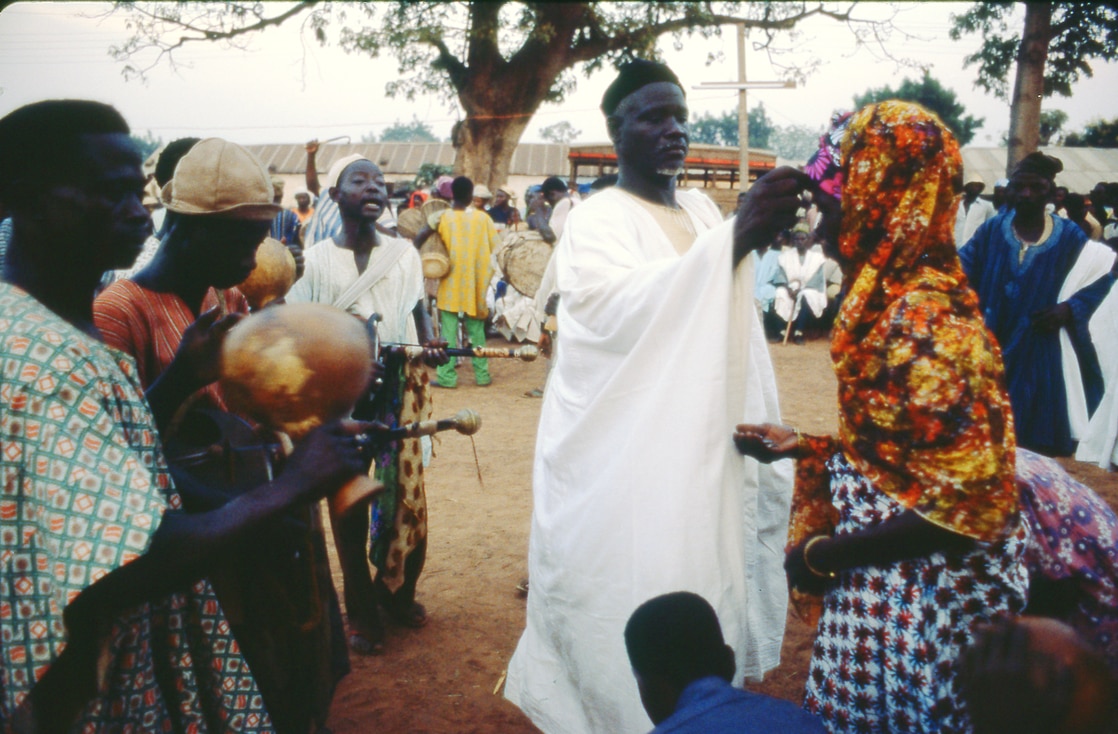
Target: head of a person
553,189
277,189
72,182
801,237
501,197
1059,196
973,187
222,200
170,156
1076,206
783,239
1044,662
1032,182
441,188
481,197
902,174
462,191
303,199
359,190
672,641
646,115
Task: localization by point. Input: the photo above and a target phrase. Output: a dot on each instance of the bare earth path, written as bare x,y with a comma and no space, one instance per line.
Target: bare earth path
441,679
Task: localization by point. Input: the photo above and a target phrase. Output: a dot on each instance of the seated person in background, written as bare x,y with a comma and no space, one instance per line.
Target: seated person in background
502,212
800,283
1033,675
683,669
766,270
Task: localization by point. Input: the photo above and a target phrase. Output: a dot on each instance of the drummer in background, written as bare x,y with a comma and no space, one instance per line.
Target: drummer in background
279,596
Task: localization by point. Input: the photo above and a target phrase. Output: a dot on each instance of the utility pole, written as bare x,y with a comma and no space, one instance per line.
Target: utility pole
743,112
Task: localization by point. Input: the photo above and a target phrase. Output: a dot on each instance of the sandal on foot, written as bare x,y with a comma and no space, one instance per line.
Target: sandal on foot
412,615
362,645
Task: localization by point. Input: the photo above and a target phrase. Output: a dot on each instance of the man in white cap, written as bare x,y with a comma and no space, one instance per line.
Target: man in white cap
364,272
637,487
973,211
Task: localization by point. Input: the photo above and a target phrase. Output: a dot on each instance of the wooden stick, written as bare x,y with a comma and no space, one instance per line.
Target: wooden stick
526,353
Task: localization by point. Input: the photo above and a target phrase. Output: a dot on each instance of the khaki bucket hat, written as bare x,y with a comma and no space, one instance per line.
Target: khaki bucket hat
223,179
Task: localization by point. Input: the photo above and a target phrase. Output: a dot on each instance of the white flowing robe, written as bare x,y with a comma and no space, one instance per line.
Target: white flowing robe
329,270
638,488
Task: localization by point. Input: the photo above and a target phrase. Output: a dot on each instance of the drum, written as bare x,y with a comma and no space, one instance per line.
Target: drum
523,259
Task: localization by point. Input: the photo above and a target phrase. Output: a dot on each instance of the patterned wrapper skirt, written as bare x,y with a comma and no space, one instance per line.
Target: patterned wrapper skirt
889,636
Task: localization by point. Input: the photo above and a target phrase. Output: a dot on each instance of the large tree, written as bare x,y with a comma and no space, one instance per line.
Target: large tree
933,95
1052,51
499,60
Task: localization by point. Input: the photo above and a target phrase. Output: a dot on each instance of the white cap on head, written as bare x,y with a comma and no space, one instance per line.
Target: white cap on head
340,165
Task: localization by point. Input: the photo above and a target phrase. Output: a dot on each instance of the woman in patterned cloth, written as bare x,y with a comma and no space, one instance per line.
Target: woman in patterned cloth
906,529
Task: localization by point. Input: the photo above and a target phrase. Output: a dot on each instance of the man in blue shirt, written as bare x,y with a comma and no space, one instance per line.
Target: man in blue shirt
684,667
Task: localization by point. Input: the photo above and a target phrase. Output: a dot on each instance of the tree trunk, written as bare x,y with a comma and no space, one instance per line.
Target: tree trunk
1028,87
484,146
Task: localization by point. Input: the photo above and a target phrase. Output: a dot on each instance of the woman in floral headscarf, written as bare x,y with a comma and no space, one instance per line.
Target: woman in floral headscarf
905,530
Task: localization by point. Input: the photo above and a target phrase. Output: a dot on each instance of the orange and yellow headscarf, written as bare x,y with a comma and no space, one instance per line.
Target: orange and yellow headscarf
923,411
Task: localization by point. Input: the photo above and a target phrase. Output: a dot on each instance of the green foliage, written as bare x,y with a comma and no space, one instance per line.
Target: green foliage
1081,32
1051,125
795,142
429,172
147,144
561,132
1097,134
415,131
723,129
933,95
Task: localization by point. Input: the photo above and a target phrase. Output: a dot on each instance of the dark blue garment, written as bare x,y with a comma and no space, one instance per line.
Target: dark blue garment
500,214
713,706
1010,293
285,227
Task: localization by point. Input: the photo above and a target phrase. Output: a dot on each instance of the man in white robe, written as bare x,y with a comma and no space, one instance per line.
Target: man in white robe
362,271
799,282
638,489
973,211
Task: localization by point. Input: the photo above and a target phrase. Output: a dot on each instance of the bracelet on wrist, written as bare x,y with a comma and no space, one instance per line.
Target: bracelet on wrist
813,569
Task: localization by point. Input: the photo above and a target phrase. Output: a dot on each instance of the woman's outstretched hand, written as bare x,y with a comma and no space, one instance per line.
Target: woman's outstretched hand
766,442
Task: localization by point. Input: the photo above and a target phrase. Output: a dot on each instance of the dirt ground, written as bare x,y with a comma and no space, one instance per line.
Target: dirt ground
446,677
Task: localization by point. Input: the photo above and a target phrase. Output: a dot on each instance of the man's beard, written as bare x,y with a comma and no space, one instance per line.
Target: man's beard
670,172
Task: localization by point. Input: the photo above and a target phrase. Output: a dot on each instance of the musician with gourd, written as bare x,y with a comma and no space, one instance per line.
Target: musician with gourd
109,624
276,587
365,272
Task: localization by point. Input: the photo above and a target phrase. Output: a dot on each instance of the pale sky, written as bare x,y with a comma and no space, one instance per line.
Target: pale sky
285,88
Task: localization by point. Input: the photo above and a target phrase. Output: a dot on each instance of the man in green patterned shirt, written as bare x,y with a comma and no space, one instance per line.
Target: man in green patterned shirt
106,621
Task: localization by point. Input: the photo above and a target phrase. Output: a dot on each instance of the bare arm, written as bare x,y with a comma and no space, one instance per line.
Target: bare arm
311,174
769,206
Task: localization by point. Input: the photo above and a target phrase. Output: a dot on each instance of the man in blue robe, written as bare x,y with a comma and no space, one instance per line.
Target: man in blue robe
1037,274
